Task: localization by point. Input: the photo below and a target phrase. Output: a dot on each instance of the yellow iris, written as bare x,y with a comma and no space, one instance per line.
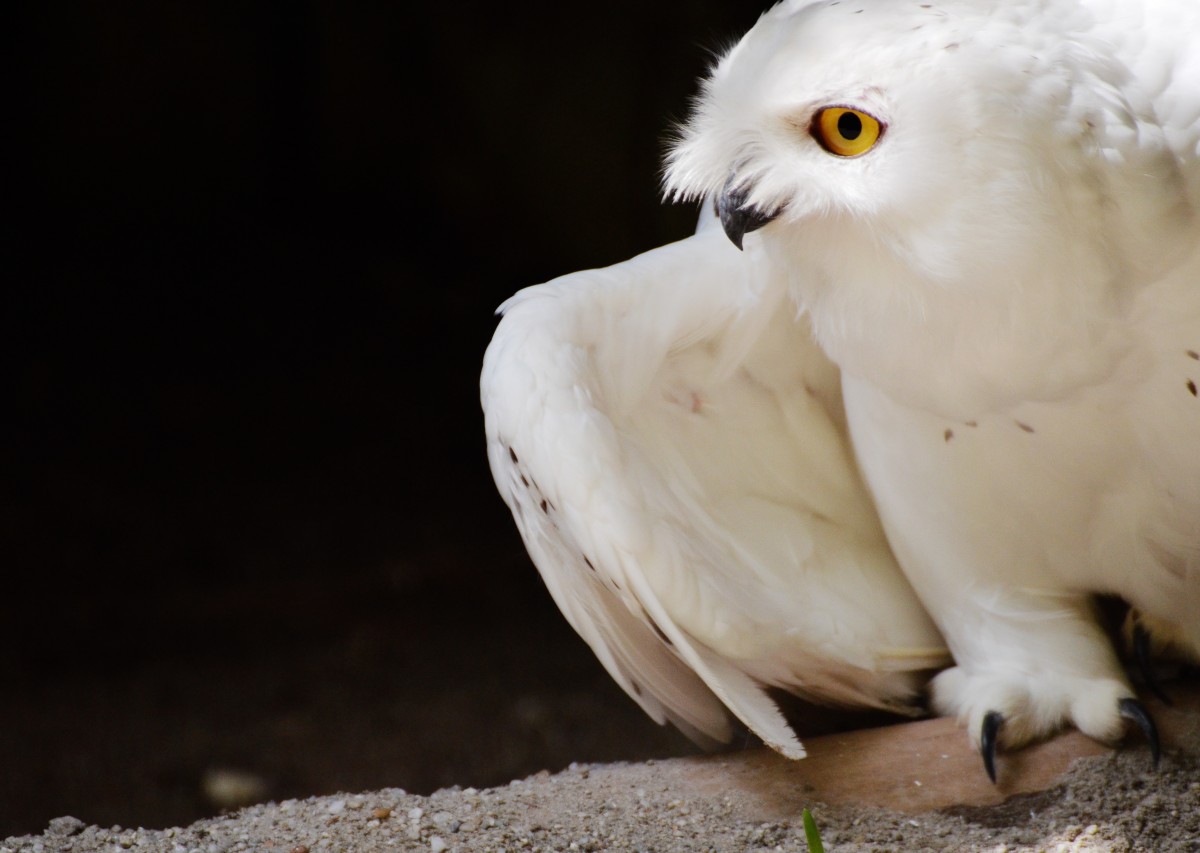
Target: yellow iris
846,132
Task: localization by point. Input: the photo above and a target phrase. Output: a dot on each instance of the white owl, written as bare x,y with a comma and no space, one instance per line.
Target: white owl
987,210
983,213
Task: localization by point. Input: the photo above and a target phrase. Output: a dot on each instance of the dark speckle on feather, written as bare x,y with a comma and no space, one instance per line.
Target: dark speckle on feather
589,563
1025,427
512,454
1191,386
524,482
948,434
1193,354
545,506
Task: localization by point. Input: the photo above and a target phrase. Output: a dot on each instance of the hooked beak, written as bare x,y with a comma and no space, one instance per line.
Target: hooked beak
737,219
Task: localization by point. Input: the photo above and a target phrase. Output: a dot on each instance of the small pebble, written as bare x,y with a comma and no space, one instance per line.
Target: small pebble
65,825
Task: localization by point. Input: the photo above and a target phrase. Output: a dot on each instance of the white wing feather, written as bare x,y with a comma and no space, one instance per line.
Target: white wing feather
672,445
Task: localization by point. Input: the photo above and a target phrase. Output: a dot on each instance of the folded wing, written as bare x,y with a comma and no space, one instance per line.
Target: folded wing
672,445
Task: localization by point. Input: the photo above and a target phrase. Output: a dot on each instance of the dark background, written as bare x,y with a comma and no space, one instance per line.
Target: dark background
246,514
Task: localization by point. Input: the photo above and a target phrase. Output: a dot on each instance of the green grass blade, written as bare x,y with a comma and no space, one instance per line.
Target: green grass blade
810,832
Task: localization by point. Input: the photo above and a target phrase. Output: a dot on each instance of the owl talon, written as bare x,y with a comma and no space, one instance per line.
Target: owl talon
1132,709
992,721
1141,654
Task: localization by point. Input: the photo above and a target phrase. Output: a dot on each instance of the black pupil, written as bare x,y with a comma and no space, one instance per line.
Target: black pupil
849,126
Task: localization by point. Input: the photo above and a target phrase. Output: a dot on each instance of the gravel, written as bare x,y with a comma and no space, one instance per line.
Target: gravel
1113,803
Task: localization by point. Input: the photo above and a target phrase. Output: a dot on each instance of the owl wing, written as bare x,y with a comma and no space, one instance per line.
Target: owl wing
672,446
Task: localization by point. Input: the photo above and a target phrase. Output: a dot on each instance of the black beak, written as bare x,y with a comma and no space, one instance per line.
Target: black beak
737,219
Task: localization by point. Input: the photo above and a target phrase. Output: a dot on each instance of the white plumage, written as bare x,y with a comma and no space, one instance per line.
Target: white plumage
1009,280
984,214
673,448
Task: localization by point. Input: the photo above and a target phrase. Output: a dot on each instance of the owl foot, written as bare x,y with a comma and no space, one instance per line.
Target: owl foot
1007,711
1130,709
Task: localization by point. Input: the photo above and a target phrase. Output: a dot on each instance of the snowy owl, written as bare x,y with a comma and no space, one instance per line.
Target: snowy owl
986,210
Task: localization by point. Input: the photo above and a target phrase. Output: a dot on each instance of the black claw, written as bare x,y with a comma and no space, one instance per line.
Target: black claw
1141,654
992,721
1132,709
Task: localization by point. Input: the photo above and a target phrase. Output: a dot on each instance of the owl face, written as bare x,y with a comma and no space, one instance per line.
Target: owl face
937,134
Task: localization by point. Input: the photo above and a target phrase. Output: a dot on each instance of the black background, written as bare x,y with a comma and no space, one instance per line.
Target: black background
253,258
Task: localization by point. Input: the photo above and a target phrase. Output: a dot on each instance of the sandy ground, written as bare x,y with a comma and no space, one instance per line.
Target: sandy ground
1109,804
751,800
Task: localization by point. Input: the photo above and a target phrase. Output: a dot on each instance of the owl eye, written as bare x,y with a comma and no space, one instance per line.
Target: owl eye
846,132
